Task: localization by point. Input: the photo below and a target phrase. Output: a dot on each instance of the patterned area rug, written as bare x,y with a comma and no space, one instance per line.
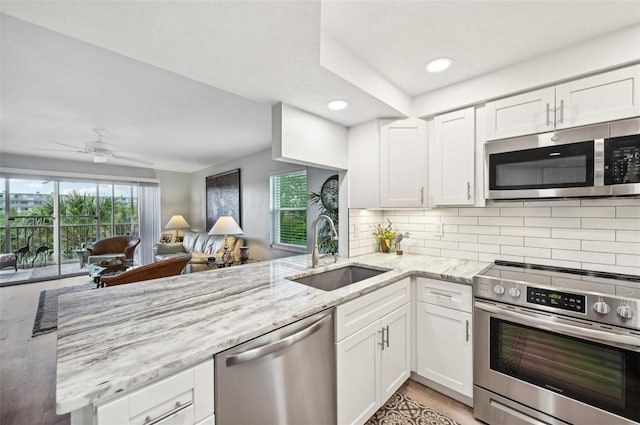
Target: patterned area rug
47,313
401,410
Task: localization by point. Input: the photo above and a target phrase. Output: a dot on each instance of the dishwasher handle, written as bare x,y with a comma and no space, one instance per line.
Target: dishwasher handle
272,347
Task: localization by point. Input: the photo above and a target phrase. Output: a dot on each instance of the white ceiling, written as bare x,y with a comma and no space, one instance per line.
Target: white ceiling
190,84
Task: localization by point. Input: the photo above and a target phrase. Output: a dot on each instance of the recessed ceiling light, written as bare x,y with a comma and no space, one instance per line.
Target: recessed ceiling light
439,64
338,104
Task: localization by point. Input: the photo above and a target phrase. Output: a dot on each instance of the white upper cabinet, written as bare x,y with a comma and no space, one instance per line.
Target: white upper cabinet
604,97
387,163
453,165
527,113
403,163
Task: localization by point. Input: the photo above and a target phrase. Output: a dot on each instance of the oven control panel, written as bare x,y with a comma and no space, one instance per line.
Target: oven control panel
556,299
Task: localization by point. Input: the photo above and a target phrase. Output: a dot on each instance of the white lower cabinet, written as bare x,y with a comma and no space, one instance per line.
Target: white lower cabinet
372,361
186,398
444,350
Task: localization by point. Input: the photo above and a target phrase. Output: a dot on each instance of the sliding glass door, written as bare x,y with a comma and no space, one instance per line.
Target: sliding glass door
47,224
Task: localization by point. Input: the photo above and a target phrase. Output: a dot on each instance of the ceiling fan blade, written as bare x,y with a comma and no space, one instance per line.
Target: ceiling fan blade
60,150
126,158
70,146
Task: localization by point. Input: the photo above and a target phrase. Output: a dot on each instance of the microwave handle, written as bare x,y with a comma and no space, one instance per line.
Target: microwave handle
623,341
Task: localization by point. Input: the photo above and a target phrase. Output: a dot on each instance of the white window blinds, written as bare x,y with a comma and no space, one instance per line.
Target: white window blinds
289,209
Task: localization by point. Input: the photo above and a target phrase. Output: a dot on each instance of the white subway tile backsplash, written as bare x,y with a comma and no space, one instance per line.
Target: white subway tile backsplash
526,251
584,211
526,212
594,235
611,223
479,230
541,232
501,240
460,220
628,260
583,256
552,243
627,236
598,234
628,212
459,237
616,247
552,222
479,212
479,247
501,221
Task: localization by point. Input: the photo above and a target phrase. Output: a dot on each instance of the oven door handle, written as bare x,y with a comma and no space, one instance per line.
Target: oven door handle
621,341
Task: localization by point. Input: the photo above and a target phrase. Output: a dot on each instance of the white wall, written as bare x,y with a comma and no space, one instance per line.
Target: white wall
594,234
254,181
175,196
303,138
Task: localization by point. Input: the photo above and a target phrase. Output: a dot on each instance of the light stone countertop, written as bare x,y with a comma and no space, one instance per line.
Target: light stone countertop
114,340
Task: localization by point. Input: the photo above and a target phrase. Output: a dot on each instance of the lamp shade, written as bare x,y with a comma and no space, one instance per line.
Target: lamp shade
225,225
177,222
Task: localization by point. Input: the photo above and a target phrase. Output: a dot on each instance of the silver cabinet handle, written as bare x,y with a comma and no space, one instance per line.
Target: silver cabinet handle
548,122
441,294
278,345
468,191
561,111
422,195
467,331
150,421
387,328
382,342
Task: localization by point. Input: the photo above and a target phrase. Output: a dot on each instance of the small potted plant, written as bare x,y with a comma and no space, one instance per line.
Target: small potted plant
385,236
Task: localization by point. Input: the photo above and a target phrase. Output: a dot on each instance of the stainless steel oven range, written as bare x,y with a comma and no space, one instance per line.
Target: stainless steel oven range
549,349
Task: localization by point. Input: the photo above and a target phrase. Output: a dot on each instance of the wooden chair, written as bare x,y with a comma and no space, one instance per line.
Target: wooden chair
115,245
165,268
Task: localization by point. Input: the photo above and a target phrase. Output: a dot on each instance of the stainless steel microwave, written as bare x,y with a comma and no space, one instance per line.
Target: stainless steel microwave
596,160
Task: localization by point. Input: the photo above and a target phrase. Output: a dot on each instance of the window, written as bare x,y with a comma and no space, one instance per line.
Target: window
289,210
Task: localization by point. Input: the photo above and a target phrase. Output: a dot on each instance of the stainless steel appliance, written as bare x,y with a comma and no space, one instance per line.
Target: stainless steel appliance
597,160
549,351
284,377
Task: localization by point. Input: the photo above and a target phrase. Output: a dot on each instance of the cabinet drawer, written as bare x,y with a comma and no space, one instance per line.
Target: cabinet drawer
445,294
185,397
356,314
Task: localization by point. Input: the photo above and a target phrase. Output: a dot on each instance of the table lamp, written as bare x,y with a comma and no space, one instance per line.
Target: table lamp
226,226
177,222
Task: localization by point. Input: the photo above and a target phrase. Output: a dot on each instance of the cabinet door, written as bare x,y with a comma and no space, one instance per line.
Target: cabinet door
394,352
357,362
454,158
403,163
604,97
444,351
527,113
363,162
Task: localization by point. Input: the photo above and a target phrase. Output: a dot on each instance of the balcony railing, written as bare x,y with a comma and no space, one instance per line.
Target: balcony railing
35,244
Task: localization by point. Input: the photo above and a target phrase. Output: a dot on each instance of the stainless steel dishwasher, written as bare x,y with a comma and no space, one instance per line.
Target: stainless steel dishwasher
284,377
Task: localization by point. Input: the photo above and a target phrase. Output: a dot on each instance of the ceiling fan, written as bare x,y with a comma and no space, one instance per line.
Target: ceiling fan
98,148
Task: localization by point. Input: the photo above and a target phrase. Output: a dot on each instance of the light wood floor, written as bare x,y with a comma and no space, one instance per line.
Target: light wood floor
28,365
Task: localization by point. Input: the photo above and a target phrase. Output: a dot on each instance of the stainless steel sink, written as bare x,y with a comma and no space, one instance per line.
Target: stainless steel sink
338,278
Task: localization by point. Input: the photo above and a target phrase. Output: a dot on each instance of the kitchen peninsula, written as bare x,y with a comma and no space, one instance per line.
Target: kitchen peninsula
114,340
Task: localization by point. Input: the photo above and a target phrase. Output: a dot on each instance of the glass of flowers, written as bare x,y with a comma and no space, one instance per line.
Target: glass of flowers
385,236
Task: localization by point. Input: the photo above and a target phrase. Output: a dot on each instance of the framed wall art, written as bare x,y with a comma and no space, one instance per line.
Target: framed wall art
223,197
